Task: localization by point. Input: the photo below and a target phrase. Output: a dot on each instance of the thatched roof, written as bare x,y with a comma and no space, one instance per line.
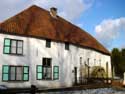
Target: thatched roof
37,22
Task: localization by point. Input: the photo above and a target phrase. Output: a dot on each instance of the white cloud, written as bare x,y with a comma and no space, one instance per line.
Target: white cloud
80,25
109,30
69,9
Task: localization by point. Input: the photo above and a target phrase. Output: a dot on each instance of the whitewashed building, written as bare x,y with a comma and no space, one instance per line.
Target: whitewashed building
37,47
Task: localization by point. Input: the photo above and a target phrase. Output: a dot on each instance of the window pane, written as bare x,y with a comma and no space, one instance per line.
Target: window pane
7,42
13,50
12,73
26,69
5,77
19,73
25,77
13,43
48,62
6,69
20,44
6,49
39,68
19,51
48,75
39,75
44,61
44,72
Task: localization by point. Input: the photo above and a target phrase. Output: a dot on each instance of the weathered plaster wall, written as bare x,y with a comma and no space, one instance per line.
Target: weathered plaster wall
35,50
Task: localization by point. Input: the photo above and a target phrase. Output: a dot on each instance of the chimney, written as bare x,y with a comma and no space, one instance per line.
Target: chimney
53,12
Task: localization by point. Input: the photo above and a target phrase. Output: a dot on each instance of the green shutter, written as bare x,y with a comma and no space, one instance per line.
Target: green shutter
56,72
5,73
7,46
25,73
39,70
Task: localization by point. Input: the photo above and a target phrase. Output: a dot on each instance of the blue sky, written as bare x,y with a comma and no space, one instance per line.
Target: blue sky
103,19
104,10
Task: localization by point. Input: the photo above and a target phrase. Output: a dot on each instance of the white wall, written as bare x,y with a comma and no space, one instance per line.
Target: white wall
35,50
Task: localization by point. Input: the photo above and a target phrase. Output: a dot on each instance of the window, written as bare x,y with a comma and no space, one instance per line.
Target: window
56,72
48,43
47,69
15,73
100,62
12,46
94,62
88,61
66,46
80,60
39,70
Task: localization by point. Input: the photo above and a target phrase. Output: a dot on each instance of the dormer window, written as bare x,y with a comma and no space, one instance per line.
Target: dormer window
66,46
48,43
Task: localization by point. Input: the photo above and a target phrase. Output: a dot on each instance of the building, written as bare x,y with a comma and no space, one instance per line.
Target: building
40,48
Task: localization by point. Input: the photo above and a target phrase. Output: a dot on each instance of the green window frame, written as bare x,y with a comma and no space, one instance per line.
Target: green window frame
56,72
48,43
15,73
13,46
39,70
66,46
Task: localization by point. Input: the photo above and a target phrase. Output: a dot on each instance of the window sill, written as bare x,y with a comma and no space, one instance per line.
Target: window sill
46,79
13,54
15,81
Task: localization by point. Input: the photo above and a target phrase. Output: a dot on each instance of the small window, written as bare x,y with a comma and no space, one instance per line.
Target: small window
94,62
80,60
56,72
99,62
15,73
88,61
47,69
12,46
66,46
48,43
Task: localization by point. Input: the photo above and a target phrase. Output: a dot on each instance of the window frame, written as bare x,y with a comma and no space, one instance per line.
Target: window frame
46,66
16,74
48,43
10,46
67,46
